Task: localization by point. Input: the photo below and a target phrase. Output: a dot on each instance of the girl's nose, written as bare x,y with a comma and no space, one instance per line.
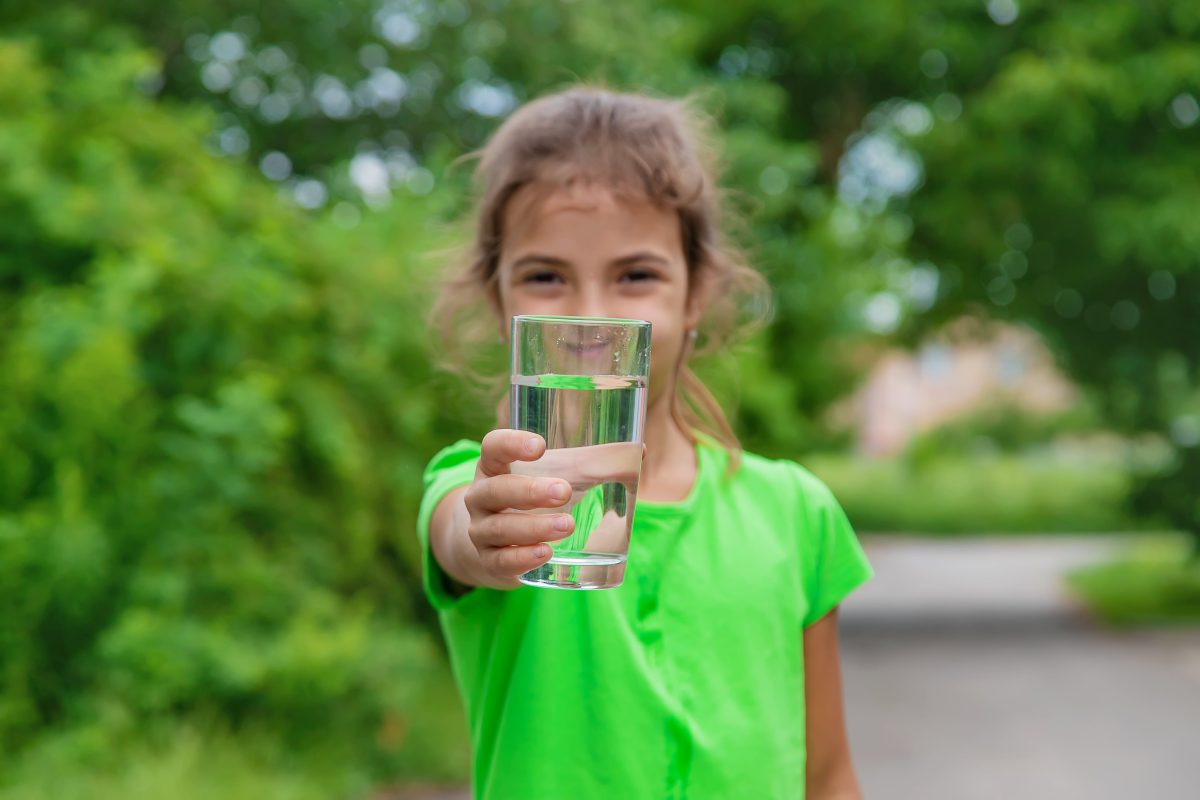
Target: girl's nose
591,305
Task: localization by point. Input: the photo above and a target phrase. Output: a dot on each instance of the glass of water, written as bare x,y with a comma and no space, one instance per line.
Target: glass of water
580,382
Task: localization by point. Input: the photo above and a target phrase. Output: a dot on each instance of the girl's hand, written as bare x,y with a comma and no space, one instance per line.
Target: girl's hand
509,540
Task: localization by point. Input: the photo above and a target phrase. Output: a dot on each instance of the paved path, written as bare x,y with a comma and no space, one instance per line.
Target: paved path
970,675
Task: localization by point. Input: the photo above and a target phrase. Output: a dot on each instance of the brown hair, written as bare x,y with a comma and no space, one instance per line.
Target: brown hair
658,149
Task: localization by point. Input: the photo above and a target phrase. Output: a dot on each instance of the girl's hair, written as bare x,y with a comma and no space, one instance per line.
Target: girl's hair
642,146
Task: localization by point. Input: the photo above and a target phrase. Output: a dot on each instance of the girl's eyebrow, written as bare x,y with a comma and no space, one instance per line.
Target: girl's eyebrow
640,256
536,259
543,260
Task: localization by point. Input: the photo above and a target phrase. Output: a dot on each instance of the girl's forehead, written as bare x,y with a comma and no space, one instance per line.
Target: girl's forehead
540,202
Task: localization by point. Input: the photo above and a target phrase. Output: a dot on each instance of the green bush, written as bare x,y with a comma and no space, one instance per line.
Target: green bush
1158,583
982,494
1001,427
190,764
211,433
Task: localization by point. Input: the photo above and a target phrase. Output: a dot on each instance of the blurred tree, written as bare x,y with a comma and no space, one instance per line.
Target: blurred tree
379,96
936,120
1045,159
404,80
1064,195
210,427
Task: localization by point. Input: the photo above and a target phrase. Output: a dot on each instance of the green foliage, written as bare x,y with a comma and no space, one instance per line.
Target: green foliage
188,764
210,432
1071,179
1157,584
384,76
195,761
982,494
1168,493
1056,159
201,756
1001,427
822,257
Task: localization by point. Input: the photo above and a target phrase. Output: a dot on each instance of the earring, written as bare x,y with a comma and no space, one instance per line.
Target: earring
692,334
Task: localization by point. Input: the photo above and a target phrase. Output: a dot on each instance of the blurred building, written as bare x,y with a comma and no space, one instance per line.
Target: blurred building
968,368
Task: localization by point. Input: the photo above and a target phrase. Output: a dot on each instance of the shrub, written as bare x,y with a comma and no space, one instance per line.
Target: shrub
211,430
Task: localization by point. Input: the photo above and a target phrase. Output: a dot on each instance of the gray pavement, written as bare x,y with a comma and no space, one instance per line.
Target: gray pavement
971,675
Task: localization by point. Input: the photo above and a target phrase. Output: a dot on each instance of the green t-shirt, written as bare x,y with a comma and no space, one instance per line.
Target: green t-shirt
687,681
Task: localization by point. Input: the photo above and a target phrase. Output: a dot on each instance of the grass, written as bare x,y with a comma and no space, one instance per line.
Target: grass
1157,583
193,764
189,759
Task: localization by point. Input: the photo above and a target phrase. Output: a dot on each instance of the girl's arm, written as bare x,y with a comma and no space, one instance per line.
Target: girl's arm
830,773
481,535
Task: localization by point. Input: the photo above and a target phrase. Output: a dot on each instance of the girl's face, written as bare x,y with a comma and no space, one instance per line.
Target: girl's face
582,251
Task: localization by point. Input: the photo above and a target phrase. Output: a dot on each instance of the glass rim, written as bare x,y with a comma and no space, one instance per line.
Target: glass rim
626,322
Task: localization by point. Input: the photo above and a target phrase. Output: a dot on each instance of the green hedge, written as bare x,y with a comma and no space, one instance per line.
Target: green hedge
1158,583
951,494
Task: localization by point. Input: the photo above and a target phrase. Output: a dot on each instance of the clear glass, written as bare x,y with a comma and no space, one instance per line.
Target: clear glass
580,382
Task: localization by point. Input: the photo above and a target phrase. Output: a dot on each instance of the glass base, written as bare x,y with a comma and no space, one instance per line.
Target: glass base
576,570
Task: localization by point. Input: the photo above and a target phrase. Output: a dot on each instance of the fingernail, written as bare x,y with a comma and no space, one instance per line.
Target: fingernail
542,550
561,523
531,446
560,491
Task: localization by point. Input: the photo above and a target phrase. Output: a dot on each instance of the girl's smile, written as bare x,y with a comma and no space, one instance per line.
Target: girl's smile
583,250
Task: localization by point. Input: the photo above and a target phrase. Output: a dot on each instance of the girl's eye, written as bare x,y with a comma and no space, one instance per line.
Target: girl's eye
638,276
541,278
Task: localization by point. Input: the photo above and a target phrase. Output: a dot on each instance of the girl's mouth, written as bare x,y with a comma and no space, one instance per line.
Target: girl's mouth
586,347
590,348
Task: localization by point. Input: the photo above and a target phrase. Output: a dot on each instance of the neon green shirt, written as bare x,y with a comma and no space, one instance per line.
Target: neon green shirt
687,681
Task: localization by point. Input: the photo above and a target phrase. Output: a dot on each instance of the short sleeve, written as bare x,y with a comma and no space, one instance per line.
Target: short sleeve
834,560
450,468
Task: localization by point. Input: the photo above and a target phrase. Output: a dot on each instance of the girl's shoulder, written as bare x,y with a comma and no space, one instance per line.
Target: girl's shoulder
784,479
456,453
453,462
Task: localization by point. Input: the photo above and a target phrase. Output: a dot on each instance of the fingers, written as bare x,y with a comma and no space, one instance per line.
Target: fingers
509,562
503,446
612,462
502,530
491,495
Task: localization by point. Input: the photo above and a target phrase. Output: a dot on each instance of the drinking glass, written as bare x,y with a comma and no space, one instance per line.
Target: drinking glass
580,382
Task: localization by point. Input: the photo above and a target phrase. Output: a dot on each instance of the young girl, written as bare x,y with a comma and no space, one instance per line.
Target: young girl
712,671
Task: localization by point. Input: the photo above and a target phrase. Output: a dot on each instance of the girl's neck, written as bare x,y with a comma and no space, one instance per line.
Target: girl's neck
670,467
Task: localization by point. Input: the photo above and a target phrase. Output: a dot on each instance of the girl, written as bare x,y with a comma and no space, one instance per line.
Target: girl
712,671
